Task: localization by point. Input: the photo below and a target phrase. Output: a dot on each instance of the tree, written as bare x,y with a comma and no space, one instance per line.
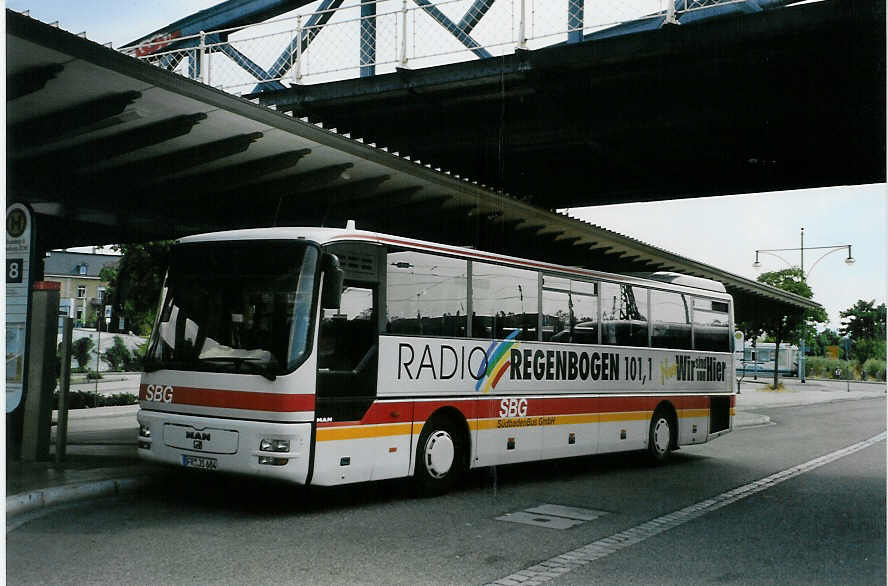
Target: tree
80,350
134,285
118,355
864,323
863,320
792,325
825,338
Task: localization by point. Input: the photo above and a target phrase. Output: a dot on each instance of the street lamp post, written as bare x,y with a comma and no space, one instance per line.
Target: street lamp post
849,260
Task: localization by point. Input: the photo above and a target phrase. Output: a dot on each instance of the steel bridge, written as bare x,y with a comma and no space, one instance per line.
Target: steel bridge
568,102
240,46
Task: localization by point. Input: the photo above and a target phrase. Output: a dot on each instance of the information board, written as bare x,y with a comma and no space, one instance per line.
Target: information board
19,232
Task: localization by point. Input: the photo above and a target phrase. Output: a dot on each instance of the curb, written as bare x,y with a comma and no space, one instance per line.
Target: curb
745,419
803,404
841,380
26,502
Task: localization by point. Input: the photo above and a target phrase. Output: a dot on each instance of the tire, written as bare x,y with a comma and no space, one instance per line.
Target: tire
661,437
440,458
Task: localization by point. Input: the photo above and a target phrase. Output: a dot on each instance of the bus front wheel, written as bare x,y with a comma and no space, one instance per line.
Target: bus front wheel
660,439
439,458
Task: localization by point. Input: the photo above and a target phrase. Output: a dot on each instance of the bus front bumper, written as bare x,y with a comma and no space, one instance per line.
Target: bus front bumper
274,450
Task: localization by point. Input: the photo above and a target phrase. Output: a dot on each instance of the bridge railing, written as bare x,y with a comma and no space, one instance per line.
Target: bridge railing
367,37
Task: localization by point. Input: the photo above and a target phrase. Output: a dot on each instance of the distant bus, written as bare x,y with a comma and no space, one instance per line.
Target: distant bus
760,360
331,356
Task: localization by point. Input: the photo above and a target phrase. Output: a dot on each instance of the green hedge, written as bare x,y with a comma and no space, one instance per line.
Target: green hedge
821,367
89,399
874,369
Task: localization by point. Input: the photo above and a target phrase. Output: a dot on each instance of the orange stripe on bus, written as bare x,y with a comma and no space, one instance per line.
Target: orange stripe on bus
693,412
363,432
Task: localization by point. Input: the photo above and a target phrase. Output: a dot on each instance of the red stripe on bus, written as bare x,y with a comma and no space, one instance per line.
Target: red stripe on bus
230,399
407,411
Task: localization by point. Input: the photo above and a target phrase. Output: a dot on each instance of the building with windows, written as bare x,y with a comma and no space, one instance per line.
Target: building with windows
83,290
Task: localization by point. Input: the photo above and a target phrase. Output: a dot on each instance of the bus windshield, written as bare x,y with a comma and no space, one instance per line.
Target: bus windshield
240,307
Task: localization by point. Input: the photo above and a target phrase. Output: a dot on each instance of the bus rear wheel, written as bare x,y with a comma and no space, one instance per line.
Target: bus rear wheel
661,437
440,456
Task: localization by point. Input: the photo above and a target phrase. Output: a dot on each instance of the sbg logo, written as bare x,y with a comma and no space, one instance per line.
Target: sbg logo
159,393
513,408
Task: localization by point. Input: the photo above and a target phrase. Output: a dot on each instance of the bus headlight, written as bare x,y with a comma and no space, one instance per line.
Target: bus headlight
274,445
144,430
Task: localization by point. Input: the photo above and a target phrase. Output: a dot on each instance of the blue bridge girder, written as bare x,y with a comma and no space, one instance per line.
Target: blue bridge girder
225,15
240,13
461,35
710,10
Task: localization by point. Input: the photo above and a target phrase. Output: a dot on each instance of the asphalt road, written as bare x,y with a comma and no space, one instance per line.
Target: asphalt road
825,525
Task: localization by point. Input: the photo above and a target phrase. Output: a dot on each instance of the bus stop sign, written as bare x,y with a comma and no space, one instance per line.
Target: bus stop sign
19,247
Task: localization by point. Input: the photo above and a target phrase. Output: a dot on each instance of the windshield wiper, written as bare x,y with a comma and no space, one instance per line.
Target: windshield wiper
251,363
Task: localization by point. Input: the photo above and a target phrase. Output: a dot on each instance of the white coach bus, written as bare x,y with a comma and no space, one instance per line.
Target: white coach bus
327,356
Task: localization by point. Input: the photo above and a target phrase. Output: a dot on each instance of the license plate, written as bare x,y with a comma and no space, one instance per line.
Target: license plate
199,462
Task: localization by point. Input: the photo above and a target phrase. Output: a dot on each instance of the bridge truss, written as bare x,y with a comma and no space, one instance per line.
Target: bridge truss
233,46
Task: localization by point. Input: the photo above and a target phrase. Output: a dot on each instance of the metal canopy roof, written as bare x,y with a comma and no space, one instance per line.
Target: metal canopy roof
108,149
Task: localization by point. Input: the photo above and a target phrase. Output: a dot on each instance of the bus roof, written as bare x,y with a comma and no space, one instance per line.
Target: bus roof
323,236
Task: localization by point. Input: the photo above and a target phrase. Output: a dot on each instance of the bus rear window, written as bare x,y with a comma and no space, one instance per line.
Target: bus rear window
711,325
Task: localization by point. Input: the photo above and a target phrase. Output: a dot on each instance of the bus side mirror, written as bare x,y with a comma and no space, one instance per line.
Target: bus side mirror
333,276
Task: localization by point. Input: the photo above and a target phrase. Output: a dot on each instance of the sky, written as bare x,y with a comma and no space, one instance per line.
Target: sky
721,231
104,21
726,231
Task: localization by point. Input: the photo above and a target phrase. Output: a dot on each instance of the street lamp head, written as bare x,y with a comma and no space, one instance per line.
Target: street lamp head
850,260
757,265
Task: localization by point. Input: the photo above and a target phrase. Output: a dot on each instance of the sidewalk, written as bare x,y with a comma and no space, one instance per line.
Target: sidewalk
754,394
102,459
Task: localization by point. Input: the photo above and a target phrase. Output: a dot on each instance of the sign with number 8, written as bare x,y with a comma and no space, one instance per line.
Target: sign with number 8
14,270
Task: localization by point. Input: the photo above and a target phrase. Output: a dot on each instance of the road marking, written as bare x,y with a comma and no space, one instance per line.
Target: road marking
538,520
552,516
567,562
569,512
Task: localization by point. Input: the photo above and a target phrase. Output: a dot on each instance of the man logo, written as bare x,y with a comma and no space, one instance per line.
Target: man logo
197,435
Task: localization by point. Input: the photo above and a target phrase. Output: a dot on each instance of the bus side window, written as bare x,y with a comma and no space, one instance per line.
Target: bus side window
624,314
557,318
427,294
670,313
505,302
584,298
570,311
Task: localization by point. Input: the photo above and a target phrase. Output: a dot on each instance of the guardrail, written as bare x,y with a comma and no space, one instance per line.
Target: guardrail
377,36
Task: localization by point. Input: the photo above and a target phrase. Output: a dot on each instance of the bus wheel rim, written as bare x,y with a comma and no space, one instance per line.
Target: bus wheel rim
661,435
439,454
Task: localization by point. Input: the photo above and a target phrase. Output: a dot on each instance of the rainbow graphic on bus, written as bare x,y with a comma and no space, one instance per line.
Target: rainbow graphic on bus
496,363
